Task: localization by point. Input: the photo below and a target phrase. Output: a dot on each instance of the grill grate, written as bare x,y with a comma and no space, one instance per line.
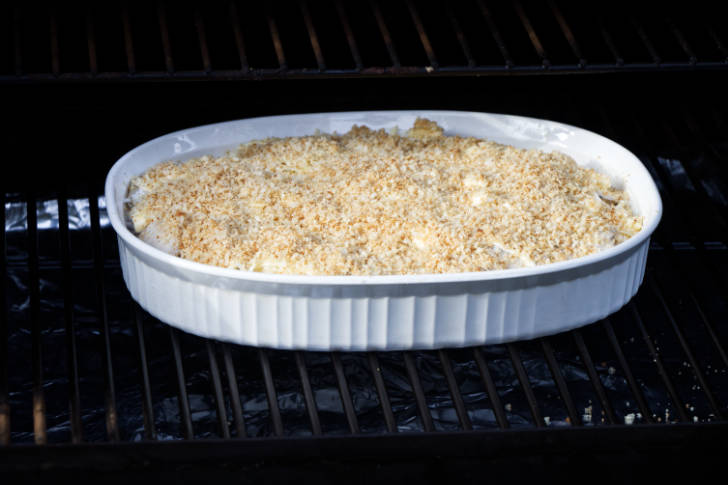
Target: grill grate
82,364
141,41
645,356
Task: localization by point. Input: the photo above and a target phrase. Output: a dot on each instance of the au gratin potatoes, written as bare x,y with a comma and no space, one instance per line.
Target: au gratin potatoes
379,202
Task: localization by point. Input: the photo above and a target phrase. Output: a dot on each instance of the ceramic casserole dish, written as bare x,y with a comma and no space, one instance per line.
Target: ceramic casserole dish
393,311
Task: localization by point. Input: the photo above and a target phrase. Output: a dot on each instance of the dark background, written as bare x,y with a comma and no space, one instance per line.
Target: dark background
73,132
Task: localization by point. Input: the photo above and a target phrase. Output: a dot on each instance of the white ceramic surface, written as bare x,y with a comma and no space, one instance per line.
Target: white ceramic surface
385,312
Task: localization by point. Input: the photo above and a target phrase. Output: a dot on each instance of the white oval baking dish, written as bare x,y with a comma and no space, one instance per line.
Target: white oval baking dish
385,312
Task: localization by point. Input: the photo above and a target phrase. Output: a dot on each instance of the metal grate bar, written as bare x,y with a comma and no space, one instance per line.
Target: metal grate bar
345,395
270,392
39,406
238,33
718,42
711,330
112,421
312,35
495,33
526,385
308,394
490,388
234,391
202,38
382,392
714,406
609,41
457,397
634,386
217,389
681,40
568,34
150,432
460,35
184,403
385,33
593,376
344,19
560,382
128,39
535,41
658,362
276,38
422,34
381,72
91,42
164,33
55,57
646,40
17,41
71,350
4,356
414,378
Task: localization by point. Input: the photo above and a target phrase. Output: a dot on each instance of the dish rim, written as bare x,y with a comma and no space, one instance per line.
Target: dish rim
649,224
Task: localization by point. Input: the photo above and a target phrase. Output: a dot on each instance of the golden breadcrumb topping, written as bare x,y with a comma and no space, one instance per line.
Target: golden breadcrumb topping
374,203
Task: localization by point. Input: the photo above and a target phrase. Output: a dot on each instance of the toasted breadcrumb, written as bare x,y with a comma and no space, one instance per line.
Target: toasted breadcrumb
375,202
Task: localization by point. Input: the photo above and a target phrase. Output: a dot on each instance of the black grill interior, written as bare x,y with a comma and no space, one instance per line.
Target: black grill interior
82,363
201,40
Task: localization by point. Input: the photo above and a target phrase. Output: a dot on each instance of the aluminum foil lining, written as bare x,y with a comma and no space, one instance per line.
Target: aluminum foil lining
79,217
